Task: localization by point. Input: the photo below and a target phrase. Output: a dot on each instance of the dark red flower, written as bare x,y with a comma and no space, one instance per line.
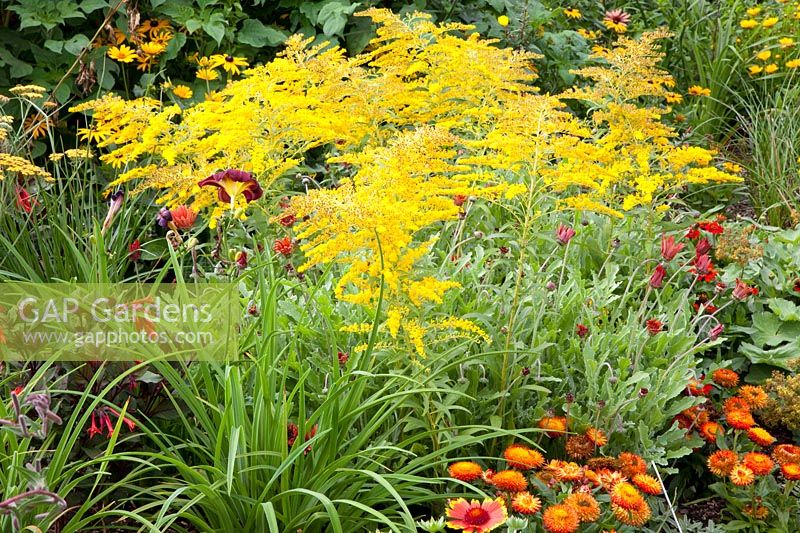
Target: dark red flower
654,326
343,357
796,287
135,251
581,330
287,221
703,247
669,249
657,277
291,433
232,183
283,246
704,268
241,260
693,233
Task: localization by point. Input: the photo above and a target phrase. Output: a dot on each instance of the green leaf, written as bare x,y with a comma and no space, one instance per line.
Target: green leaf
174,47
333,17
77,44
87,6
215,27
192,25
55,46
785,309
255,33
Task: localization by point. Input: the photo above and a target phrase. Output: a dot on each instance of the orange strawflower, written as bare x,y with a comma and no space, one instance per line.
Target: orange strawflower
791,471
183,217
579,447
759,463
760,436
597,437
740,419
647,484
725,377
465,470
626,496
710,430
721,462
554,426
736,403
741,475
560,518
631,464
569,472
585,506
510,481
525,503
609,479
786,453
756,397
636,517
521,457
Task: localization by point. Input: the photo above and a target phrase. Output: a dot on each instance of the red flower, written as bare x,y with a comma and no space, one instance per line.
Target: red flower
24,199
94,429
459,199
696,387
135,251
287,221
283,246
564,234
702,247
581,330
232,183
291,433
712,227
742,290
183,217
241,260
669,249
657,278
693,233
125,420
715,332
654,326
704,268
343,357
796,287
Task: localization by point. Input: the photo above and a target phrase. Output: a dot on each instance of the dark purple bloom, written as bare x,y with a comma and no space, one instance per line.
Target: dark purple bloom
232,183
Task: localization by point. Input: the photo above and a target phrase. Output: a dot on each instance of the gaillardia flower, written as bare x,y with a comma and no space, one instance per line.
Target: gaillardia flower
232,183
474,516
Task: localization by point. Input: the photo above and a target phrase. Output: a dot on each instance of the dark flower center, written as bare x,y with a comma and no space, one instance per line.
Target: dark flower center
229,59
476,516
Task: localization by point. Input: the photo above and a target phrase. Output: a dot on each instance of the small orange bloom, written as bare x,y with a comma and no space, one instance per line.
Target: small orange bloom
569,472
626,496
183,217
759,463
725,377
465,470
521,457
759,513
736,403
510,481
631,464
636,517
610,479
579,447
525,503
755,397
791,471
560,518
721,462
710,430
585,506
647,484
760,436
786,453
740,419
554,426
741,476
597,437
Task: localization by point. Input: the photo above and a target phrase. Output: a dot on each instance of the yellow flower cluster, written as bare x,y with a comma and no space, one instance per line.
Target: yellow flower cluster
423,116
768,44
19,166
